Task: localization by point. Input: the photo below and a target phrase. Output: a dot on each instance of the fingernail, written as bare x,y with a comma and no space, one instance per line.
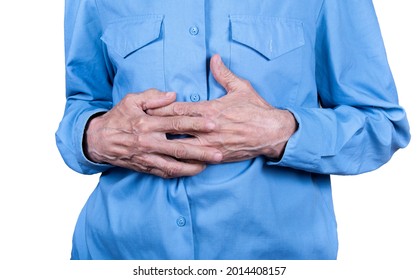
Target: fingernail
170,94
218,60
218,157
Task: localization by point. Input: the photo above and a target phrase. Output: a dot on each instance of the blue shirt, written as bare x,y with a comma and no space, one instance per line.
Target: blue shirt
324,60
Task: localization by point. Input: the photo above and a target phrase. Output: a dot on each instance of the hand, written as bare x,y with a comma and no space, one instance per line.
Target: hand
246,126
127,137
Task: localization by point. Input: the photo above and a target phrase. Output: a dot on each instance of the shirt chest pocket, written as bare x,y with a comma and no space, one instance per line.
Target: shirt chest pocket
135,48
268,52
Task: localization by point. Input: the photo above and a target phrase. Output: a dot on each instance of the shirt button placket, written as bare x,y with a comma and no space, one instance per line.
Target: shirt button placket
194,30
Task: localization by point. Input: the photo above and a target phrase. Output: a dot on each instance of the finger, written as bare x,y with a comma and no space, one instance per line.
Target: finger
181,124
167,167
124,154
185,151
160,165
166,121
153,98
179,109
223,75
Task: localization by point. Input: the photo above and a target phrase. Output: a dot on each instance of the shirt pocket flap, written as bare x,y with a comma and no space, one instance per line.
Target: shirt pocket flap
128,35
270,36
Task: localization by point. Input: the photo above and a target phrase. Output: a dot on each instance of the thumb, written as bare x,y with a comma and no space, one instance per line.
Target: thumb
227,79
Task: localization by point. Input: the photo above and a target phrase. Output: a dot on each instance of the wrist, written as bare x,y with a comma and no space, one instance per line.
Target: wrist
90,138
285,126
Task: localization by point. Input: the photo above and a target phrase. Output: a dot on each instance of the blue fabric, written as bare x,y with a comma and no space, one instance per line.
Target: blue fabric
324,60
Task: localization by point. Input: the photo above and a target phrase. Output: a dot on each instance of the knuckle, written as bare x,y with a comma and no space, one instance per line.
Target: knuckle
173,170
133,99
176,124
178,109
151,93
204,156
227,74
129,97
180,152
246,83
148,91
141,125
152,90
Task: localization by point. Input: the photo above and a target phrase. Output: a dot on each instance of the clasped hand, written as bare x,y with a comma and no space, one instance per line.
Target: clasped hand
238,126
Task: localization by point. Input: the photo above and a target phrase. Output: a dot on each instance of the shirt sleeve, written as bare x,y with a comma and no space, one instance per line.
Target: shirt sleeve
359,123
88,82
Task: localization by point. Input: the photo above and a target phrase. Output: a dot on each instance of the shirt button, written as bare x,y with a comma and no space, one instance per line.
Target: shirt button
181,221
194,30
195,97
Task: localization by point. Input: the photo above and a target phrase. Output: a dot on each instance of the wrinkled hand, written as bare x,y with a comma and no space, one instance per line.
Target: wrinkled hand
246,126
127,137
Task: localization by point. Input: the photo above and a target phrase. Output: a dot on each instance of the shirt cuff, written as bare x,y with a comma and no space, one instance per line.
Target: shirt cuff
87,166
312,140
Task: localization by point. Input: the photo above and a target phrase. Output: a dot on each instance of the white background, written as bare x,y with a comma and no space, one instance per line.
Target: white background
40,197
